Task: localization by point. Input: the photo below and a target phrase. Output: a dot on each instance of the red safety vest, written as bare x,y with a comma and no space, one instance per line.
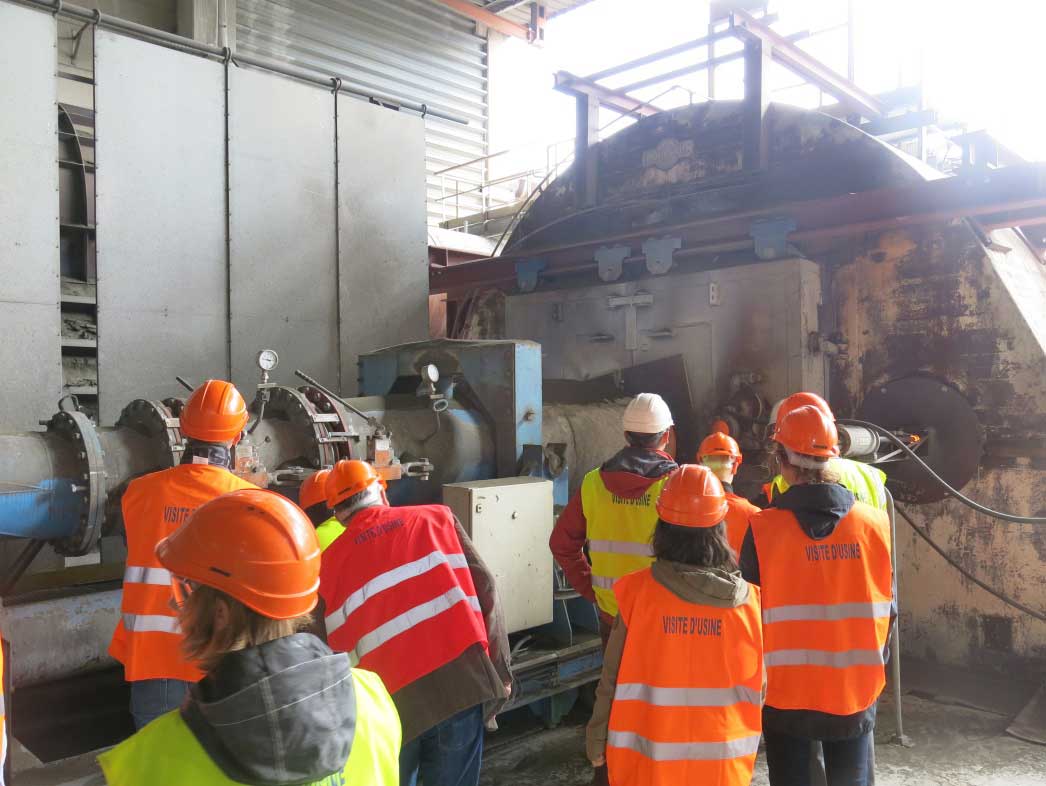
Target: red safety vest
688,701
398,592
147,640
826,610
738,511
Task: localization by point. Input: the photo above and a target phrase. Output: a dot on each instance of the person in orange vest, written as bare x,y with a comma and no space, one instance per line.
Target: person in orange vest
312,497
658,720
147,640
276,706
721,454
4,766
406,594
613,512
867,483
822,561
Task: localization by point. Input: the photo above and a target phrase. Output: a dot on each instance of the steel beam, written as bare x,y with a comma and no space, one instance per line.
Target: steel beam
1012,194
756,151
748,28
612,99
501,6
485,17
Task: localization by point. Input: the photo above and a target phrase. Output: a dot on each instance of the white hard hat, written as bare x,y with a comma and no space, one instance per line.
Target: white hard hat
647,413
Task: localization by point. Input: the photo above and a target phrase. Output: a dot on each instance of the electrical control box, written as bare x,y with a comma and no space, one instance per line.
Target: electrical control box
510,520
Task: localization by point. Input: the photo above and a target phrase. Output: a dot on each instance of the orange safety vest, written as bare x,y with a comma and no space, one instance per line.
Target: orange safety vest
398,592
147,640
738,511
826,610
688,701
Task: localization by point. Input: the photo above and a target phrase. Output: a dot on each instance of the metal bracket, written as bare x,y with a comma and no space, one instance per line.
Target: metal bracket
658,252
631,304
610,260
771,237
78,428
527,274
154,420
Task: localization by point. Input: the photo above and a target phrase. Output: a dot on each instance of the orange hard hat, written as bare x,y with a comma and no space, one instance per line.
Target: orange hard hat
808,431
215,412
719,444
313,489
254,545
793,402
692,497
348,478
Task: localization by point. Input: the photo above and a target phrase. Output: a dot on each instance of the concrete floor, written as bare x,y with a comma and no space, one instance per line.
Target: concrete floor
952,746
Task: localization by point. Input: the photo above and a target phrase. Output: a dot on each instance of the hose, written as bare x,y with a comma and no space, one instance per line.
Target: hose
966,574
943,483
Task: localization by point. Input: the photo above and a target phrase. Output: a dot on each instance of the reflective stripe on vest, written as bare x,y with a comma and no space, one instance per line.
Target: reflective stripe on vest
820,612
619,530
865,482
413,617
826,610
166,753
147,640
400,592
137,574
390,579
150,623
671,723
687,697
685,751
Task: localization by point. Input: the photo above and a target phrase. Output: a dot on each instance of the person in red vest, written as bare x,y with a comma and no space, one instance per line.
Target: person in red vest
822,561
408,597
658,720
721,454
147,640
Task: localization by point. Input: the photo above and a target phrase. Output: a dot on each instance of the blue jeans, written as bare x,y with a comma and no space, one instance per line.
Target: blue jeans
152,698
448,754
846,762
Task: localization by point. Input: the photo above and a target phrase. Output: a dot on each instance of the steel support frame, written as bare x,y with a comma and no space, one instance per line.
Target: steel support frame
857,101
617,100
756,143
1010,196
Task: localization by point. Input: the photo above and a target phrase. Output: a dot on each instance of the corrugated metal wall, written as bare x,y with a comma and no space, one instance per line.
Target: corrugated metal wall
410,49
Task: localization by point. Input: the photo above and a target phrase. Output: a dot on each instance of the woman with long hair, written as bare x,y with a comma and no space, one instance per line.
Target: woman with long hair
681,692
276,706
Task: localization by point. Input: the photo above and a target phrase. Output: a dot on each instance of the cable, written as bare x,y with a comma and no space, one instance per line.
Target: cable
966,574
944,484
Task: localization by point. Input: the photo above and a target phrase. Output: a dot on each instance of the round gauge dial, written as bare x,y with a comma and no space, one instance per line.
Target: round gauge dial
267,359
430,373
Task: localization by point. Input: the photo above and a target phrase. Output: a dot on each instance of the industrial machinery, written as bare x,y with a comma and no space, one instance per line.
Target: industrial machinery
434,416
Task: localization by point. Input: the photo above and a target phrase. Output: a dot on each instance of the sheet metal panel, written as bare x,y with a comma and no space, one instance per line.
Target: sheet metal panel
284,262
161,221
415,50
748,318
384,252
30,355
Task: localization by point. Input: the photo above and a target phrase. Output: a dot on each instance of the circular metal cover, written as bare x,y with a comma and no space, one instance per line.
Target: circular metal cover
78,428
268,359
954,439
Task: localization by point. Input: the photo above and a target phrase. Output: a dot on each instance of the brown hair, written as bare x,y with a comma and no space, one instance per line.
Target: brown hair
806,475
702,547
205,644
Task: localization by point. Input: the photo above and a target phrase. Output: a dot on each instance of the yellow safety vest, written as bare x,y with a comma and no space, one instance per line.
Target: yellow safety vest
328,532
619,531
165,753
863,480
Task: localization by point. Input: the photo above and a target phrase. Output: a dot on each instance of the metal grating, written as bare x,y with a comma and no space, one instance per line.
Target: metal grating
414,50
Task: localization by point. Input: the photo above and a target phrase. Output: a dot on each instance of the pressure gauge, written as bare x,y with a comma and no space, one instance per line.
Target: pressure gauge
268,359
429,373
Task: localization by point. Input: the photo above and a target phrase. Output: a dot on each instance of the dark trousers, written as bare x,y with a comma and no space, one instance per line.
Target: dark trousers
152,698
846,762
448,754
